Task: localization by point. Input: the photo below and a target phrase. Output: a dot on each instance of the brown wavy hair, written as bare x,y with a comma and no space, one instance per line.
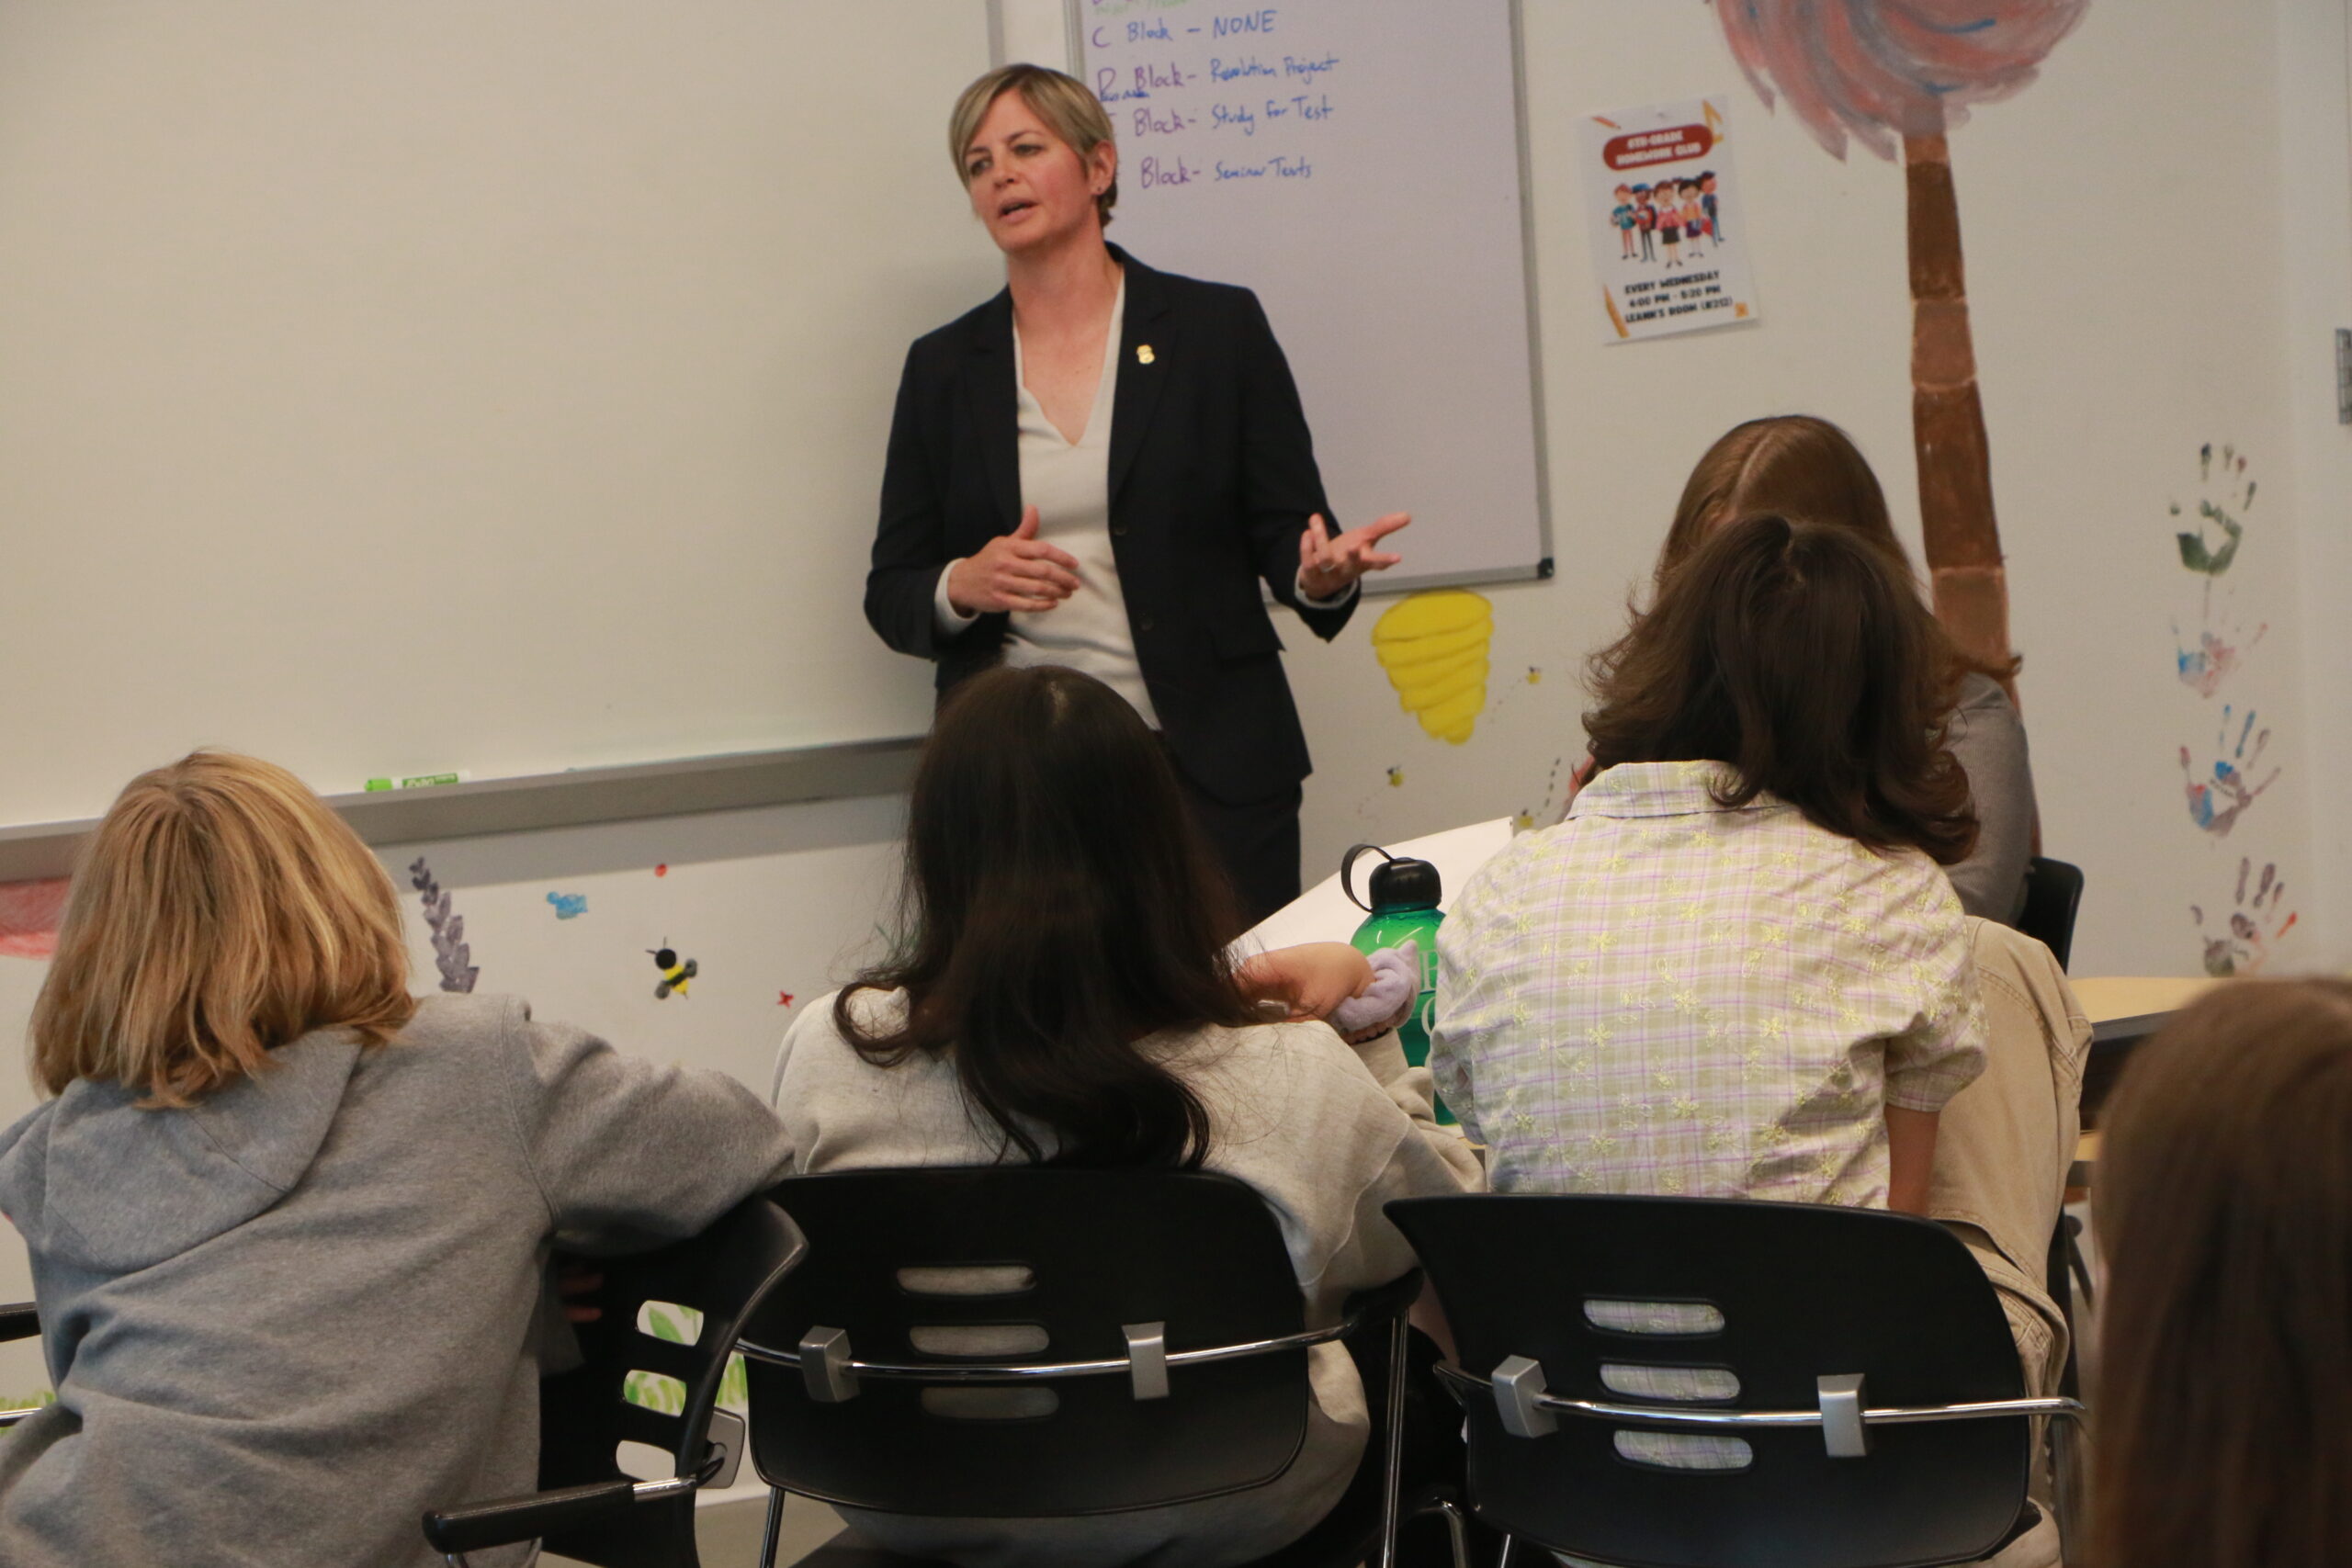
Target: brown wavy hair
219,910
2224,1432
1796,653
1797,466
1059,907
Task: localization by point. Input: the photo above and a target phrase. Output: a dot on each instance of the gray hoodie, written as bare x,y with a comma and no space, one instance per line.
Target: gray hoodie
286,1321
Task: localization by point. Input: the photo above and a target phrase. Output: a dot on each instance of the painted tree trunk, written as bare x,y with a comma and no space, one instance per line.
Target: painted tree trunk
1964,540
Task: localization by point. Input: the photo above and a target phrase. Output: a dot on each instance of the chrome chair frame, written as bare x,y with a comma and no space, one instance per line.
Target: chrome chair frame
832,1373
726,1439
710,1443
1527,1409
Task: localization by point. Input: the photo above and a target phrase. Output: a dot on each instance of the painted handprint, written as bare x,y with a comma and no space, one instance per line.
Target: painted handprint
2199,554
2243,945
2221,796
2219,651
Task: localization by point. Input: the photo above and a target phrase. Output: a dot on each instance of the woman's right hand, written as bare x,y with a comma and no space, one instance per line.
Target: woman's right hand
1012,571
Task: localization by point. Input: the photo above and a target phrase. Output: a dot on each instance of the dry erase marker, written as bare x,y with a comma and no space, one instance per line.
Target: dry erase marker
417,781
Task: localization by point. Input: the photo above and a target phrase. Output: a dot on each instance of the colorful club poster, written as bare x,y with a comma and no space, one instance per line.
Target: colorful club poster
1668,232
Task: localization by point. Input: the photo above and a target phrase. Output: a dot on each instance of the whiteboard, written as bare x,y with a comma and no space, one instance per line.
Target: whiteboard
391,387
1359,165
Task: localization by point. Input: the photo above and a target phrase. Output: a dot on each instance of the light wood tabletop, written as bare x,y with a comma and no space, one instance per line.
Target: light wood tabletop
2109,996
2123,1010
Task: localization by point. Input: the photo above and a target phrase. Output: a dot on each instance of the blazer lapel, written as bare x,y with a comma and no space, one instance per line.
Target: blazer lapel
995,408
1141,375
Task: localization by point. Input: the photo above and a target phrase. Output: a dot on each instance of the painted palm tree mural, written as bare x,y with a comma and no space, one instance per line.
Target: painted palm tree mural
1892,73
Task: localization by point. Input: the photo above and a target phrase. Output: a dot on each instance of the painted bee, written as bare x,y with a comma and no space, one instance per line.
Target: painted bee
675,975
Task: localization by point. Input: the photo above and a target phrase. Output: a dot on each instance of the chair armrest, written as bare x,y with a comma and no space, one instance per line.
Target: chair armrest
507,1521
18,1322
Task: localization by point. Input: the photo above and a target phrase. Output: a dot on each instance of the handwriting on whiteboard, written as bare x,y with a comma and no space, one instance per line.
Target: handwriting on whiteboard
1203,95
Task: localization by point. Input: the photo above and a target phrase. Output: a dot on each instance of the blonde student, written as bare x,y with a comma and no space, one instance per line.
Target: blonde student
289,1225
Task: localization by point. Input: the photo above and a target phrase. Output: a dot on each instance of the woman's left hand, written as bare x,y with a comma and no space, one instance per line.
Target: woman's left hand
1327,565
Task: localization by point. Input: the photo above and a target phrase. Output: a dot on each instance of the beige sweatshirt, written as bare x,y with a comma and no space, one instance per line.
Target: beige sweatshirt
1324,1133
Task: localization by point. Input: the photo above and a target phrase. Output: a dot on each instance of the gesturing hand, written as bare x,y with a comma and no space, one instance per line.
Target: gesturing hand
1326,565
1013,572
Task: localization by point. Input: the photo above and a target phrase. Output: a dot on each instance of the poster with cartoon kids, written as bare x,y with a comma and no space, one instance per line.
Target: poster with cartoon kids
1663,209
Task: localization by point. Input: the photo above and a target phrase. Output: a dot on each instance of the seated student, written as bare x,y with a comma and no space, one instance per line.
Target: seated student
1064,997
2003,1138
2222,1430
289,1225
1737,968
1797,466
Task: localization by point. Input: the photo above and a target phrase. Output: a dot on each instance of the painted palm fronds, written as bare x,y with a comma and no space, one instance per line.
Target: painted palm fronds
1890,73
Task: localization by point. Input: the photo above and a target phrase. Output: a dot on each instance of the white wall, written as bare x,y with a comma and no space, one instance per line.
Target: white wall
2315,143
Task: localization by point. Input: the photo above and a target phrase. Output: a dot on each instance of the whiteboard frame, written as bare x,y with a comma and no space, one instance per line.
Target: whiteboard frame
632,792
1534,311
1073,29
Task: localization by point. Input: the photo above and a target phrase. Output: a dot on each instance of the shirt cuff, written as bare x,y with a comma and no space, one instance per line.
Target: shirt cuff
1308,602
944,613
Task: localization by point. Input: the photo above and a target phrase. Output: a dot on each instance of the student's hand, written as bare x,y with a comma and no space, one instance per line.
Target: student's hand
1309,979
1328,565
576,1278
1013,572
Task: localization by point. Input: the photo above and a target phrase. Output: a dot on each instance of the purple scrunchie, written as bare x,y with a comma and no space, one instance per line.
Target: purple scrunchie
1395,981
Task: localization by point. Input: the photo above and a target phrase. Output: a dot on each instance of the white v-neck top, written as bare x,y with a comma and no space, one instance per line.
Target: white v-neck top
1069,484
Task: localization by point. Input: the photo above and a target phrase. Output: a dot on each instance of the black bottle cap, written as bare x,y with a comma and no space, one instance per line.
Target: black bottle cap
1405,884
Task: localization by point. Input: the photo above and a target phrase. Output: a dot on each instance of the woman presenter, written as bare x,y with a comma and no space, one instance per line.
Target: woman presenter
1098,467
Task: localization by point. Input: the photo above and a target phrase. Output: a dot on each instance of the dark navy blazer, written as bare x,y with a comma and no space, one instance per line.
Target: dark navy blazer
1212,479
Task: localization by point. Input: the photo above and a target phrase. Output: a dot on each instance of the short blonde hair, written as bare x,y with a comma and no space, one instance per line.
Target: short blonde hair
220,910
1062,101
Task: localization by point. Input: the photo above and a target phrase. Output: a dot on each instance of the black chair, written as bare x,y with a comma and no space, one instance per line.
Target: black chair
2053,895
1163,1354
1860,1357
18,1322
587,1506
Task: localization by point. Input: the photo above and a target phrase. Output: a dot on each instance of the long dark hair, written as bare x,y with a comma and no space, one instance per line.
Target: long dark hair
1799,466
1059,907
2224,1208
1795,652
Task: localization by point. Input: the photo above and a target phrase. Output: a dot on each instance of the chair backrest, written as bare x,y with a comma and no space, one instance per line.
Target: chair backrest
1074,1258
1766,1298
2053,893
586,1414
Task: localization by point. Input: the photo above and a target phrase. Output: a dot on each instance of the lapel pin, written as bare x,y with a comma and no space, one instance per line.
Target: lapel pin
1143,353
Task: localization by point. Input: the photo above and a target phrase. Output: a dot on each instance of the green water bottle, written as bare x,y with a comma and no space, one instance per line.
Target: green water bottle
1404,894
